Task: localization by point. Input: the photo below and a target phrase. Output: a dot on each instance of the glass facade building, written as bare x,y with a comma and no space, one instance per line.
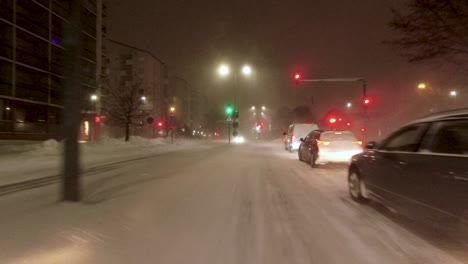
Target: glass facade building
32,64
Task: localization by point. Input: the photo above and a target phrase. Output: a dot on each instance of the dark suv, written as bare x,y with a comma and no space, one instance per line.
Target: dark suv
420,170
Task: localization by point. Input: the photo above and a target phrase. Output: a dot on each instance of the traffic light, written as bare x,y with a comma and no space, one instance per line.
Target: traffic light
229,111
366,101
159,124
297,78
259,126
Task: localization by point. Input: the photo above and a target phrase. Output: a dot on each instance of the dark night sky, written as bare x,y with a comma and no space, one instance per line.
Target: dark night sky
321,38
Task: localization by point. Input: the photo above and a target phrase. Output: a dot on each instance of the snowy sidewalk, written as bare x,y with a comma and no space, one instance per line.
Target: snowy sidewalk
36,161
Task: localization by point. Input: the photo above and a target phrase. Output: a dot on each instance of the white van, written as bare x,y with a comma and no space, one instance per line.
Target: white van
295,133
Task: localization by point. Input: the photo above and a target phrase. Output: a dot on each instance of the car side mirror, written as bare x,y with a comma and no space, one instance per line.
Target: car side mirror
371,145
301,139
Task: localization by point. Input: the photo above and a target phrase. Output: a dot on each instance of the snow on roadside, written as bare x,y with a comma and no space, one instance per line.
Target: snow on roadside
44,159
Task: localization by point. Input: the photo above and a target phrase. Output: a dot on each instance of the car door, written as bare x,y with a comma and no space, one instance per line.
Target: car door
390,162
444,166
307,144
303,147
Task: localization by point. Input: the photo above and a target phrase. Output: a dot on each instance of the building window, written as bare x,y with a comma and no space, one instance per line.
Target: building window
58,59
5,77
31,84
61,7
88,72
6,9
6,111
88,47
57,30
29,118
88,21
32,17
45,3
56,90
55,115
31,50
6,40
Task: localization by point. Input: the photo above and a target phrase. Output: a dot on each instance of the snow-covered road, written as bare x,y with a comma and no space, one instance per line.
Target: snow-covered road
252,203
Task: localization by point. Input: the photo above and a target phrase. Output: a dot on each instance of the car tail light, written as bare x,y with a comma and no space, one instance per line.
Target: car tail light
322,142
338,133
357,142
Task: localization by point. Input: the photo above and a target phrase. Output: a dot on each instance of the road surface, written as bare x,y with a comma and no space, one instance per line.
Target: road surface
251,203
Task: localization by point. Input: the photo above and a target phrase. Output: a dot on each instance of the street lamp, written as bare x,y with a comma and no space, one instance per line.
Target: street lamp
223,70
143,98
453,93
422,86
349,105
253,108
172,109
94,97
263,107
246,70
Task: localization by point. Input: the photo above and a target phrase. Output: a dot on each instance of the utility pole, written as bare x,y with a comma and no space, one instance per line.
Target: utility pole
71,167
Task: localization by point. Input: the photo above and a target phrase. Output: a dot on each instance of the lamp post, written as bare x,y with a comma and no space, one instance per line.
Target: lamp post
172,111
224,70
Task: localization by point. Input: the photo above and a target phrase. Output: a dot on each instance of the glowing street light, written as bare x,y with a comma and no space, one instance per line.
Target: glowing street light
422,86
172,109
223,70
453,93
253,108
349,105
94,97
246,70
143,98
263,107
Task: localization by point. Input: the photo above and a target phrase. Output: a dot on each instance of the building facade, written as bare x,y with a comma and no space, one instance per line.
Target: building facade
32,66
127,65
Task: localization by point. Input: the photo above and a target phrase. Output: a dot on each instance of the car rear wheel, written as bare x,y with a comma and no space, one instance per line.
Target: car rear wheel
357,187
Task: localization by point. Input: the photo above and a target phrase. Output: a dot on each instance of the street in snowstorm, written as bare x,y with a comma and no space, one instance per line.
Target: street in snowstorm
211,203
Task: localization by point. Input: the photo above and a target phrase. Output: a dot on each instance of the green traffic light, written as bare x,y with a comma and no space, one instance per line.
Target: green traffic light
229,110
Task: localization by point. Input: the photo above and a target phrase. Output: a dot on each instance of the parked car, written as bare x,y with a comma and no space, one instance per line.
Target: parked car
324,146
421,170
295,132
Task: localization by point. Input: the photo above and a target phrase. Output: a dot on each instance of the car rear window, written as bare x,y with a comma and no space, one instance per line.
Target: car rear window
303,129
337,136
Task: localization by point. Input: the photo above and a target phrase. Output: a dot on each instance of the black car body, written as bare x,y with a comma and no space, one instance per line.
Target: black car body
420,170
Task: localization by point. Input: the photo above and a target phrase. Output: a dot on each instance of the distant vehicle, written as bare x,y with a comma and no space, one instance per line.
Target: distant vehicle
420,170
295,132
324,146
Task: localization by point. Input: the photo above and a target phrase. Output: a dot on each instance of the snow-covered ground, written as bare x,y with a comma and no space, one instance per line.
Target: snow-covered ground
26,161
252,203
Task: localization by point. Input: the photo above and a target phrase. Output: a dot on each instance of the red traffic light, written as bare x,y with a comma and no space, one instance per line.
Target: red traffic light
159,124
366,101
297,76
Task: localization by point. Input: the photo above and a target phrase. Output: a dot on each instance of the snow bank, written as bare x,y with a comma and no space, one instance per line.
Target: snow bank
43,159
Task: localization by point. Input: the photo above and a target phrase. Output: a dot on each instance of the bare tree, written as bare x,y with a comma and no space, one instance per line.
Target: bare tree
122,102
433,30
